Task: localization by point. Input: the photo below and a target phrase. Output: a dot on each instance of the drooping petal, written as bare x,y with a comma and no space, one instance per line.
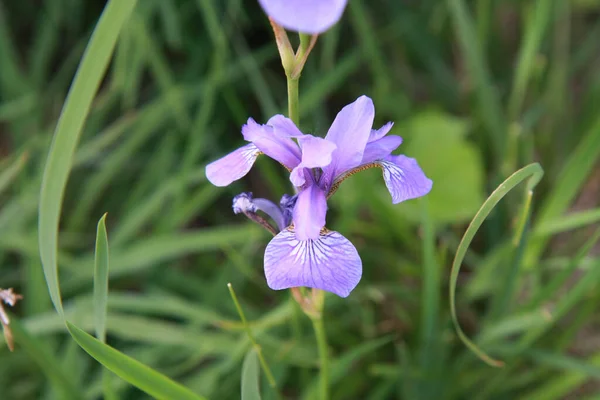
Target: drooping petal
305,16
279,147
350,132
284,126
329,262
377,134
309,212
233,166
404,178
380,148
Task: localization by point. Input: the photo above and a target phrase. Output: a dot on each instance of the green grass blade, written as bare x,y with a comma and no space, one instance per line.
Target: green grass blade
532,172
9,174
489,103
539,19
134,372
574,173
251,377
101,280
70,124
568,222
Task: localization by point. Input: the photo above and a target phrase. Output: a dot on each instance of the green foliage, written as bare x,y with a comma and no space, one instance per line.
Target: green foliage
117,110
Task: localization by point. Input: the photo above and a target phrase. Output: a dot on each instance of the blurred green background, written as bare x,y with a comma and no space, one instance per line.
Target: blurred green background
478,89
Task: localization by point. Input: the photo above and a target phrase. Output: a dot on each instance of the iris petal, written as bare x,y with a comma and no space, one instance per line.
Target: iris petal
309,212
350,131
275,144
233,166
306,16
380,148
404,178
329,263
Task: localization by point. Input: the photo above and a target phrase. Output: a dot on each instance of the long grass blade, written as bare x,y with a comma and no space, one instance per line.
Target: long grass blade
68,130
533,173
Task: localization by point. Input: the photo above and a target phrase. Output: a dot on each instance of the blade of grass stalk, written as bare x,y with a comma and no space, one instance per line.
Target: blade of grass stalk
536,26
134,372
263,362
101,280
574,173
60,157
532,173
9,174
568,222
251,376
489,103
101,296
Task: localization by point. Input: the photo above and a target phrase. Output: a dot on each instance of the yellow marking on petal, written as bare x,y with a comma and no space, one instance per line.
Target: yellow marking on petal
346,175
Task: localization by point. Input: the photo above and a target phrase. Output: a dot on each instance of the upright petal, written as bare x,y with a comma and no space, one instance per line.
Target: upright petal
279,146
377,134
305,16
404,178
350,131
329,262
233,166
380,148
284,126
316,151
309,212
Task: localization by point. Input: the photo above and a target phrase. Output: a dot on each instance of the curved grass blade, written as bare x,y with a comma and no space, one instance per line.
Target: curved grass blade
532,172
134,372
251,376
68,130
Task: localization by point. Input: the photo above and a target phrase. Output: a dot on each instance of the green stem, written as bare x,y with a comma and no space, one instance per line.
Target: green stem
323,356
293,111
257,348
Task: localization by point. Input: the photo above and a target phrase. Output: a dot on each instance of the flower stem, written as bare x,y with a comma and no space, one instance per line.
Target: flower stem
293,110
257,348
319,328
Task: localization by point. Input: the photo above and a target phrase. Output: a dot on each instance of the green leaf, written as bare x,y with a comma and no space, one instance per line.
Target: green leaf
68,130
438,143
251,376
533,173
134,372
101,280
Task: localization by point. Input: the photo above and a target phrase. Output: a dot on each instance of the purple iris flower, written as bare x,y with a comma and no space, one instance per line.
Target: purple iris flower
305,252
305,16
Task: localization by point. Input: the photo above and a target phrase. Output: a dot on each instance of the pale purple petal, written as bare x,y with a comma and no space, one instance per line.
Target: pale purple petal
309,212
380,148
350,132
272,210
278,146
377,134
233,166
404,178
298,175
305,16
284,126
329,263
316,151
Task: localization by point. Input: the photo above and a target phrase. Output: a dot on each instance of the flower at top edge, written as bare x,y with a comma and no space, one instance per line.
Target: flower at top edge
305,16
305,252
